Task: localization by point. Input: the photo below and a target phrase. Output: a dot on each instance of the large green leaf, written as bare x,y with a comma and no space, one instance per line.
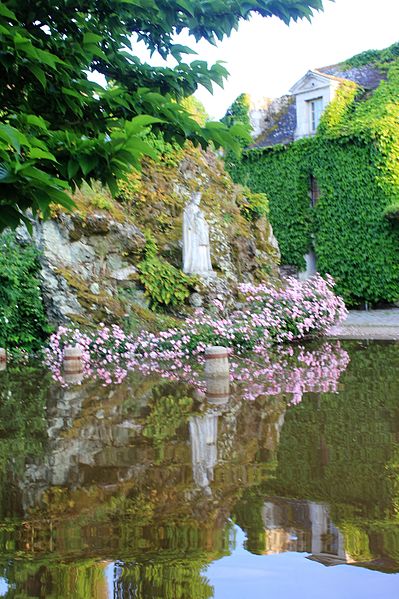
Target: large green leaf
41,154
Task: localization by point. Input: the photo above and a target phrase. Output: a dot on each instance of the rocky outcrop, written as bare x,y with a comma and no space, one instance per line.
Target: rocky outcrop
89,258
86,263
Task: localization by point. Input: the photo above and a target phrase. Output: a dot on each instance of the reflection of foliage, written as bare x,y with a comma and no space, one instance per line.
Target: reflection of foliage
348,438
171,579
138,507
55,580
248,512
341,449
168,413
176,579
163,539
385,535
357,543
23,394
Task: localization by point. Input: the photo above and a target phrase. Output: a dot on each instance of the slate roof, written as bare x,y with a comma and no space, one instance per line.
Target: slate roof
367,76
281,125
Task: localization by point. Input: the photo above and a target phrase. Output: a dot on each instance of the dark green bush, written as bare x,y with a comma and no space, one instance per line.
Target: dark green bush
23,322
163,283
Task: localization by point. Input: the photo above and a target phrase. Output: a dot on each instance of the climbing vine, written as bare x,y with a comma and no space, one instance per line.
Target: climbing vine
354,158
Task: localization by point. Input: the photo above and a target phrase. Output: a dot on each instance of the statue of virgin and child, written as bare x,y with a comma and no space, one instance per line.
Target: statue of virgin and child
196,248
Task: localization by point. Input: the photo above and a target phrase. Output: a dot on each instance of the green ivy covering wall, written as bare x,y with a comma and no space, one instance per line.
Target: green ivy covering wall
355,160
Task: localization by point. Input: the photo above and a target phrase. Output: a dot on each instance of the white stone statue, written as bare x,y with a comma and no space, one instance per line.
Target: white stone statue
196,249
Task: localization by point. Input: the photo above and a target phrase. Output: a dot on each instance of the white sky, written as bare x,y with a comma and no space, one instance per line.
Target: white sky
265,57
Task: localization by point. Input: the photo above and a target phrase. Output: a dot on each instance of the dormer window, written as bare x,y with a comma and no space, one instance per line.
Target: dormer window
315,109
312,94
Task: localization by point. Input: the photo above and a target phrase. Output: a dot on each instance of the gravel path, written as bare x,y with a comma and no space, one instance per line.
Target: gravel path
370,324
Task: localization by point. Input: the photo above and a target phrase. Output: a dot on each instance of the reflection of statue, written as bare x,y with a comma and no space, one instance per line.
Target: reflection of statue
196,251
203,436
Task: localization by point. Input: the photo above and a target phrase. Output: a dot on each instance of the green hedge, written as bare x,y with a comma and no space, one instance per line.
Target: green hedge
355,160
23,322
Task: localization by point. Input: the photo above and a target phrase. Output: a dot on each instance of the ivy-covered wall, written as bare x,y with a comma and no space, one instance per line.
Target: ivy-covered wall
355,160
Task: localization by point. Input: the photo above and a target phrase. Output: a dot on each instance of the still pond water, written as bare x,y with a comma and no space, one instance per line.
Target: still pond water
152,490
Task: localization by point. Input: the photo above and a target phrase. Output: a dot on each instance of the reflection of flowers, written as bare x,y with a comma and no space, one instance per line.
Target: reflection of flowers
270,316
305,370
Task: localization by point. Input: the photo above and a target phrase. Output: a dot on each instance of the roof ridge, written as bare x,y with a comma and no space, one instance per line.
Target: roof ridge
334,77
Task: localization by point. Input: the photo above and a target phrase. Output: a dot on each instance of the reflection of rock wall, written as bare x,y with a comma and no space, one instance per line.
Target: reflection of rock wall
101,453
79,443
118,478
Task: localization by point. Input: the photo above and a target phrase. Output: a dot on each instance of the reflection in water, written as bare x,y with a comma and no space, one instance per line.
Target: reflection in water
298,525
203,438
204,432
131,491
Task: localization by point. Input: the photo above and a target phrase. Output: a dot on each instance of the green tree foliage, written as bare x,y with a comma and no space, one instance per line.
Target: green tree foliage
59,128
354,159
23,323
196,109
238,114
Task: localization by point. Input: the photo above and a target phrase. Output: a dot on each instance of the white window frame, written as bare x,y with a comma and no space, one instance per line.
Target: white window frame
313,116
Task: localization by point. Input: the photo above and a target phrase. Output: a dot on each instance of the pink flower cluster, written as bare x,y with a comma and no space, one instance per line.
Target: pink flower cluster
103,353
269,316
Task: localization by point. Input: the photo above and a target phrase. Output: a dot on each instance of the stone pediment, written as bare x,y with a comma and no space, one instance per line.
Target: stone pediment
309,82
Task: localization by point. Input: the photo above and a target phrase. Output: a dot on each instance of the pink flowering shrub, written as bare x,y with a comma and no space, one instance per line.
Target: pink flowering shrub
268,316
104,353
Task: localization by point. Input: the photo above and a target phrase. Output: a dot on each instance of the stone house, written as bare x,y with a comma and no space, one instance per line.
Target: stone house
299,166
307,101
